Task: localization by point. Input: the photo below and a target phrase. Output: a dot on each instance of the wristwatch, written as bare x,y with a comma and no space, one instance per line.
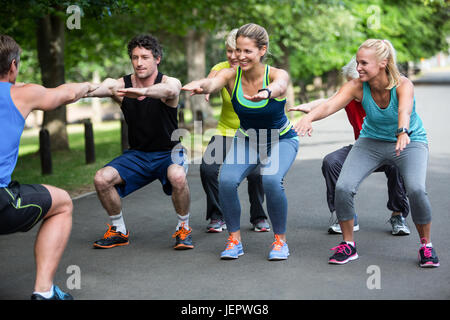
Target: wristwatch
268,91
401,130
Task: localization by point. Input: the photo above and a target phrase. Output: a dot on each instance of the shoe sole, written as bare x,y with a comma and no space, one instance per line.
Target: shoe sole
332,231
231,257
212,230
278,258
401,233
261,230
429,265
354,257
110,246
183,247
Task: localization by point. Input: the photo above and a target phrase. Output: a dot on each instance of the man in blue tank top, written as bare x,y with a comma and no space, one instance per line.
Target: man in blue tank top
23,206
149,102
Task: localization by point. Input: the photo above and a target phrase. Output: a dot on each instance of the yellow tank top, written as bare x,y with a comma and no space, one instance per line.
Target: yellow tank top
228,120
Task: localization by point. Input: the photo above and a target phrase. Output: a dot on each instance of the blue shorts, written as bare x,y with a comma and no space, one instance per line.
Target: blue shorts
139,168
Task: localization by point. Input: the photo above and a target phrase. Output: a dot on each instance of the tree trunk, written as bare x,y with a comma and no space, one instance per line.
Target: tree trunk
195,56
50,46
284,64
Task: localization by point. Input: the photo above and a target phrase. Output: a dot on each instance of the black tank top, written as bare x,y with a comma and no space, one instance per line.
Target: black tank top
150,121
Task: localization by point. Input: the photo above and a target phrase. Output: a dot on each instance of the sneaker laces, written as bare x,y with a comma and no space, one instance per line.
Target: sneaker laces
110,232
231,242
427,251
342,248
278,243
182,232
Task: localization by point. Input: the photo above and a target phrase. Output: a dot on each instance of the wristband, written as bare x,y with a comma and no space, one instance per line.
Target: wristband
268,91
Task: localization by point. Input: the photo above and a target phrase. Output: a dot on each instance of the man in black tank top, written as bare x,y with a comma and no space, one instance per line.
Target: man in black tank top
149,103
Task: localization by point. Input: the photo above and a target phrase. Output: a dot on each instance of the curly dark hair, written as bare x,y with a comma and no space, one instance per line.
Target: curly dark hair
148,42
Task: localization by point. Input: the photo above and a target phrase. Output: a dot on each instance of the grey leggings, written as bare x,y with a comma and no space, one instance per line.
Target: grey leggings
369,154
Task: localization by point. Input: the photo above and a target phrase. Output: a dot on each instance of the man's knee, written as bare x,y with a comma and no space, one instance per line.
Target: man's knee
61,202
177,177
105,178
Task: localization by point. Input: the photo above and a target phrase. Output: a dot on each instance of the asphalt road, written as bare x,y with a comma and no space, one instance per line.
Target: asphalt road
150,269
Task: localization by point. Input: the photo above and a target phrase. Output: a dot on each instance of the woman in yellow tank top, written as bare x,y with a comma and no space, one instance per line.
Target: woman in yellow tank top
221,142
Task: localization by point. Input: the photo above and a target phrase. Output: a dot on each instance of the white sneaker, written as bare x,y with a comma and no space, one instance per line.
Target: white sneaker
335,228
399,227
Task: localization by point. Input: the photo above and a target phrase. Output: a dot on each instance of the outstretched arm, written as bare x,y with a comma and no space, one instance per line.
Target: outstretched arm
308,107
210,85
168,91
31,97
347,93
278,86
108,88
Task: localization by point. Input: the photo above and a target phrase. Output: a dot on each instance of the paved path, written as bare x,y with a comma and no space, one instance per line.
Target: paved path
150,269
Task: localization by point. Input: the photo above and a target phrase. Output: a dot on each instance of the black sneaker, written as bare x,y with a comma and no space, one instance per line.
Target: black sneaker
112,238
57,295
427,256
344,253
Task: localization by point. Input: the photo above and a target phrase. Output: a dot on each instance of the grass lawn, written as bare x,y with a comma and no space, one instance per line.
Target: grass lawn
70,171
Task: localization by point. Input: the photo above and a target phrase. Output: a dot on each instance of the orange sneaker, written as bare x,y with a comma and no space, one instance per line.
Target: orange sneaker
112,238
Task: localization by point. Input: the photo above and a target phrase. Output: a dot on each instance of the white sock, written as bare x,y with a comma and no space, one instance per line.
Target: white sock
46,294
183,219
117,221
350,243
427,245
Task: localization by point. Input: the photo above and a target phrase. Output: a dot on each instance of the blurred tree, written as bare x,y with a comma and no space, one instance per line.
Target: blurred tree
41,25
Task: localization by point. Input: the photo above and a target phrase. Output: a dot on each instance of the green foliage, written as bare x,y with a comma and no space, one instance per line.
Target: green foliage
70,171
308,37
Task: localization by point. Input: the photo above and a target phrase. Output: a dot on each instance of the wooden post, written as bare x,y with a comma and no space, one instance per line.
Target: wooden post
45,152
89,145
124,135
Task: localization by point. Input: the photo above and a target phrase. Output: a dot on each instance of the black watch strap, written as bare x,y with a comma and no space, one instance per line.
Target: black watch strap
268,91
401,130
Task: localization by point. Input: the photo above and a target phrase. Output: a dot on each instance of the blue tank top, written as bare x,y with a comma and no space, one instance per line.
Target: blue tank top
11,128
382,124
265,114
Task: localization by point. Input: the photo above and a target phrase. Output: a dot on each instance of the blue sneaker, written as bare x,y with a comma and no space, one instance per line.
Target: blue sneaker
279,250
57,295
233,250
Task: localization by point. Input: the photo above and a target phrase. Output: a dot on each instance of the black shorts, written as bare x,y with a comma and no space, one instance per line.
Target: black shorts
22,206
